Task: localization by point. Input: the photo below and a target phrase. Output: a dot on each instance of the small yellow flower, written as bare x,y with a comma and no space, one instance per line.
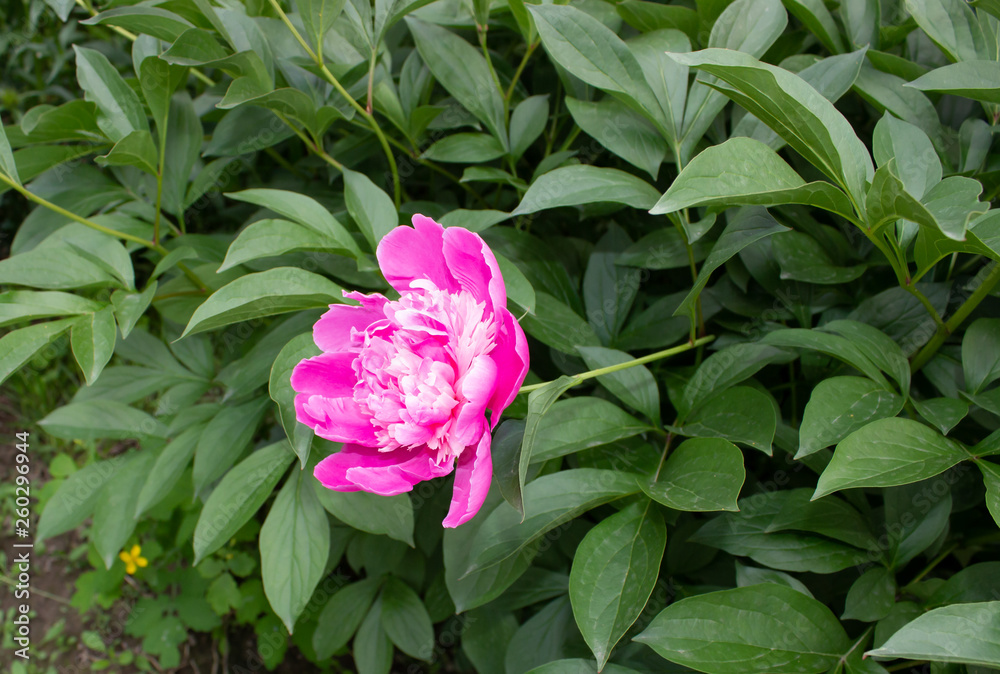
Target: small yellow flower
133,559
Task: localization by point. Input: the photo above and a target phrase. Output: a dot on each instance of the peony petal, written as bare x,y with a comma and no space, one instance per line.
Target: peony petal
406,254
474,266
472,483
357,468
332,331
511,357
336,419
476,389
330,375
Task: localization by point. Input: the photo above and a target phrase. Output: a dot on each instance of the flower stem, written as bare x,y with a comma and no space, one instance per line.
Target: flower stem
666,353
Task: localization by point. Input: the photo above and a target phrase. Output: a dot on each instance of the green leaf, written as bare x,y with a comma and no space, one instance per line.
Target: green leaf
225,438
953,27
238,496
519,288
972,79
405,620
112,525
465,148
269,238
54,268
747,26
7,164
96,419
479,587
888,92
760,628
93,341
752,575
74,500
784,530
700,475
877,346
463,72
584,184
280,390
372,648
621,131
872,596
25,305
886,453
370,207
19,346
634,386
651,16
981,354
539,402
942,413
966,633
129,307
302,209
745,172
342,615
294,546
918,166
888,201
135,149
839,406
817,18
580,423
527,122
721,370
556,325
389,515
591,51
829,344
991,478
796,111
267,293
318,17
549,501
167,470
614,571
745,227
119,111
803,258
741,414
154,21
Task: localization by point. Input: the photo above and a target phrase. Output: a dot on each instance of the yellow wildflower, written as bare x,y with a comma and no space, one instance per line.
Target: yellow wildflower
133,559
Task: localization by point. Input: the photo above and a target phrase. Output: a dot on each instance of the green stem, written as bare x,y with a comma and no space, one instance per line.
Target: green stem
520,68
42,593
952,324
481,30
934,562
332,79
912,289
100,228
76,218
666,450
666,353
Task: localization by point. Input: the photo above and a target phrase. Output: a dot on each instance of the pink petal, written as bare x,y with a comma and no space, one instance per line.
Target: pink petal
356,468
329,374
336,419
474,266
472,483
332,331
511,357
476,388
406,254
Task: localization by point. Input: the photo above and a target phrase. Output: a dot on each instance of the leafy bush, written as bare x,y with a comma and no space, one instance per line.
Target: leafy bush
807,278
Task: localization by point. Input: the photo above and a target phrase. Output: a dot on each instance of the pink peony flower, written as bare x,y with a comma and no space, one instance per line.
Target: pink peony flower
406,384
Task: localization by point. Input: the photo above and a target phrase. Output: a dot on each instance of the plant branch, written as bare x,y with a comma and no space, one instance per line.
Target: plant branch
666,353
520,69
952,324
